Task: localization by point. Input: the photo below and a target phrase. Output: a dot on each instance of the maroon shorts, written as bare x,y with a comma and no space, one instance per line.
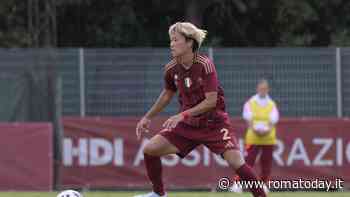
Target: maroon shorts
218,139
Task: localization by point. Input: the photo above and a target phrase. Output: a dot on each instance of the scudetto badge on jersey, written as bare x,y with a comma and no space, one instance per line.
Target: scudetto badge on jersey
188,82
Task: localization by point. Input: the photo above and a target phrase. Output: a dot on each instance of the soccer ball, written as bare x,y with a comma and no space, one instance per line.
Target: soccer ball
69,193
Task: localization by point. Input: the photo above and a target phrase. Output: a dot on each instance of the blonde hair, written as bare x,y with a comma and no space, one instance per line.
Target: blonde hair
263,82
189,31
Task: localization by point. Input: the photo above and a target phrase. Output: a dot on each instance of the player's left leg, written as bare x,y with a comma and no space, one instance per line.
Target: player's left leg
225,144
251,153
244,171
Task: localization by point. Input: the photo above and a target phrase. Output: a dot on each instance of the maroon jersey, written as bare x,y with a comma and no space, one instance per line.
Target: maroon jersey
192,85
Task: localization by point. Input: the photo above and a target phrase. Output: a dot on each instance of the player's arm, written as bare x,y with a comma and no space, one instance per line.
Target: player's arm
206,105
210,85
165,96
163,100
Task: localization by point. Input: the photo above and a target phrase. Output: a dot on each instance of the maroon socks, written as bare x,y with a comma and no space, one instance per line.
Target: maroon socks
154,172
246,174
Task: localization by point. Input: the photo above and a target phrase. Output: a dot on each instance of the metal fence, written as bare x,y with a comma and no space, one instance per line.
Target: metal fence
126,82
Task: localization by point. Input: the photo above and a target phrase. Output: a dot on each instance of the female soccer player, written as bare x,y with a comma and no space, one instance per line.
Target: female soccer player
203,119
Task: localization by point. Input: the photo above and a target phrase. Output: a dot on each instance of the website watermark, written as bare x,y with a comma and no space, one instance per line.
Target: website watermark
296,184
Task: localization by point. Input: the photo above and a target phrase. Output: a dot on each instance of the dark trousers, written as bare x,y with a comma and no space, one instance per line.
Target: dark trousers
252,151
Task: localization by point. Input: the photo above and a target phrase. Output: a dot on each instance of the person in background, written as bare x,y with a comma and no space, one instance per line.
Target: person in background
261,115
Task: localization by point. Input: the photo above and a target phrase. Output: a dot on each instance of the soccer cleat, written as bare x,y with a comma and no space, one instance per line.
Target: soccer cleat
151,194
235,188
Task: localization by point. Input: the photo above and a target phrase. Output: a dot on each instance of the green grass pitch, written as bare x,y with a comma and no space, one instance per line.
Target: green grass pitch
180,194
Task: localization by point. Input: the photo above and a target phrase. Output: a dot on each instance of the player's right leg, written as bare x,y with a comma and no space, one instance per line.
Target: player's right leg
166,142
225,144
154,149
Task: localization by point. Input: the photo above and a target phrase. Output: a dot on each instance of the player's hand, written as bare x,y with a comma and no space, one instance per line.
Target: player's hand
142,126
173,121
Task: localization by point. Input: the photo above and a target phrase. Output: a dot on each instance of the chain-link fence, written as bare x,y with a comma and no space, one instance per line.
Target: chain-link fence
303,81
126,82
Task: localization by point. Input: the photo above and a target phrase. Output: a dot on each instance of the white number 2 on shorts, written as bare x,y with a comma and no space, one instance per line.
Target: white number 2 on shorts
226,136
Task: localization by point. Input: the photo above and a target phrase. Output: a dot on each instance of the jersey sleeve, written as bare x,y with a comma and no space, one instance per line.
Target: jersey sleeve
210,79
169,81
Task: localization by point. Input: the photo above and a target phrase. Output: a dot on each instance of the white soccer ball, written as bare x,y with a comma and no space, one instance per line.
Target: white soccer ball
69,193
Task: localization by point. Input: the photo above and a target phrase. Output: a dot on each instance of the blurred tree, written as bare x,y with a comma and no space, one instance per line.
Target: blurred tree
42,27
13,24
313,22
125,23
94,23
